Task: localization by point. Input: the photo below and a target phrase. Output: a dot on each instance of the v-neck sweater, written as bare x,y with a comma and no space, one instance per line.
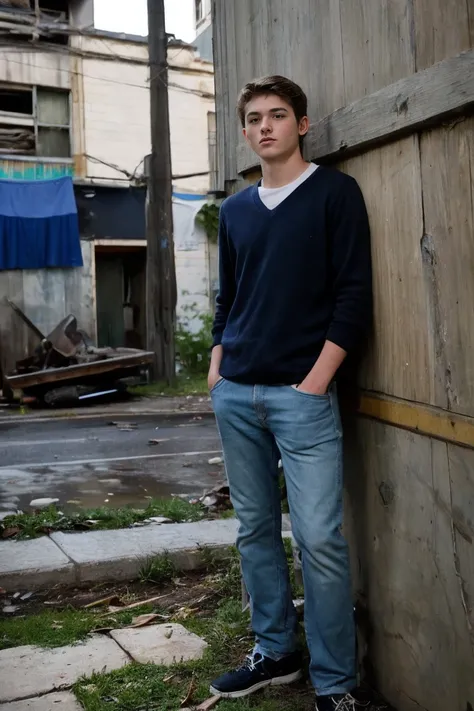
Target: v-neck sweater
292,278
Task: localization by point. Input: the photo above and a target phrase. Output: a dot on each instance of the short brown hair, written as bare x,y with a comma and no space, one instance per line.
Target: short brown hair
280,86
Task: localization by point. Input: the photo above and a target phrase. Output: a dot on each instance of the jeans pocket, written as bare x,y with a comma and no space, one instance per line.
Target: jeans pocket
217,385
325,396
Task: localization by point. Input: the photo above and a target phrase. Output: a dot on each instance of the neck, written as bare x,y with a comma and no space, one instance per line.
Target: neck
277,173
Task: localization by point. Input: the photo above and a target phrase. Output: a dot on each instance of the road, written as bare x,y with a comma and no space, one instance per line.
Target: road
91,462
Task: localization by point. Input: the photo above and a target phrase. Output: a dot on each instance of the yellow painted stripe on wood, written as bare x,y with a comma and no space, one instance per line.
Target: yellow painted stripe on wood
415,416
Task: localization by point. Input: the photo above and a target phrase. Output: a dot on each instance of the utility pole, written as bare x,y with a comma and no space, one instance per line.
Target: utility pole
161,292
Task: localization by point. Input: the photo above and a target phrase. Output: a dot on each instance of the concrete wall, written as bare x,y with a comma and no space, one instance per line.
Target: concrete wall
116,111
192,264
41,68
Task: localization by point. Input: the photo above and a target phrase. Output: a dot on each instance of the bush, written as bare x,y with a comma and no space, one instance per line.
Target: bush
193,349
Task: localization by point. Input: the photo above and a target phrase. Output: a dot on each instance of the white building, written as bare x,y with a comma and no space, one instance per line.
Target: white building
75,101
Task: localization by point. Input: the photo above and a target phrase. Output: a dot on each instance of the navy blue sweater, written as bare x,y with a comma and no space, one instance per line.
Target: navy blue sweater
292,278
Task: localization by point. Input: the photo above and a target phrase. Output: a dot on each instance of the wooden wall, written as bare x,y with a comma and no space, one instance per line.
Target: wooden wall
408,138
46,296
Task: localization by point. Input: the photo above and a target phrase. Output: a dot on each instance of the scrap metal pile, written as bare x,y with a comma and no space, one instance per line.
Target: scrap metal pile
66,366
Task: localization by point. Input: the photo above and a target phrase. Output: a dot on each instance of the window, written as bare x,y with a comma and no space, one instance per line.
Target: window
199,5
34,121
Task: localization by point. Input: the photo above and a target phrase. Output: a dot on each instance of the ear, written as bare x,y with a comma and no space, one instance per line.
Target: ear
244,133
303,127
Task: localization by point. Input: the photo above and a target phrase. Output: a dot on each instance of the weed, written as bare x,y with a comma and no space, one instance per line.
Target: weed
159,569
32,525
185,384
193,347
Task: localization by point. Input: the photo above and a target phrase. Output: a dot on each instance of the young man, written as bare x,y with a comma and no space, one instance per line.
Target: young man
294,299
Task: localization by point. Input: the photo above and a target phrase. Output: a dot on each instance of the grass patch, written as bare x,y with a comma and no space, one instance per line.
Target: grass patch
32,525
152,688
56,628
160,569
184,385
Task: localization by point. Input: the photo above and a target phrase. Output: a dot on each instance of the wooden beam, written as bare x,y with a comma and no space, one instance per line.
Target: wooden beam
417,417
424,99
84,370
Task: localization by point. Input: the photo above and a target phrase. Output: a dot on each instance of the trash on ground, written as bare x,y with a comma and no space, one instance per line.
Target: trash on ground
216,499
205,706
143,620
43,503
10,532
189,695
216,460
111,600
140,603
66,367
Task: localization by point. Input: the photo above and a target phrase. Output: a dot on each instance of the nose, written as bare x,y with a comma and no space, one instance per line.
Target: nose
266,126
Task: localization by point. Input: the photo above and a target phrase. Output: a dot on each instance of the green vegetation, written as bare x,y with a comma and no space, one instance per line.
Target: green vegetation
218,619
32,525
56,628
193,352
159,569
193,347
152,688
184,385
208,218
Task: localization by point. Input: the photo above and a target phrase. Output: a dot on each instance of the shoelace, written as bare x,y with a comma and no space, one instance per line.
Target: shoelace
348,703
251,661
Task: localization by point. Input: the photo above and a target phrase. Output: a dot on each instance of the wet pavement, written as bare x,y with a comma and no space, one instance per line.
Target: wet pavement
91,462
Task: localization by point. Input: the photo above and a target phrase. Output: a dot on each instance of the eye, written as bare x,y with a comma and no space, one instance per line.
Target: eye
253,120
279,116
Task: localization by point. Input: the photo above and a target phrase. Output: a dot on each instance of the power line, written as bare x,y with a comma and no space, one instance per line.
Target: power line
178,87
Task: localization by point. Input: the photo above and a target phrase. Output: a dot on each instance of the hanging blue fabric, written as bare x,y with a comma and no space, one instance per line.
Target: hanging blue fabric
38,224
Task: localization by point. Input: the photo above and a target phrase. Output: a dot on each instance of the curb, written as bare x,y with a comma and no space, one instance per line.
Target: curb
112,555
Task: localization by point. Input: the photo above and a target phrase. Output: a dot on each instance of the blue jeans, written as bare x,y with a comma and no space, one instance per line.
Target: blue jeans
257,424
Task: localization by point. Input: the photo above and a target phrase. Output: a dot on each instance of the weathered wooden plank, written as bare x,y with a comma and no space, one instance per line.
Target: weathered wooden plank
447,156
414,416
441,30
126,358
267,34
398,361
470,15
13,331
400,521
424,99
377,45
461,476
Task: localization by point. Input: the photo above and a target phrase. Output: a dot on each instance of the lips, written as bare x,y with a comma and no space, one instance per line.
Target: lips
264,141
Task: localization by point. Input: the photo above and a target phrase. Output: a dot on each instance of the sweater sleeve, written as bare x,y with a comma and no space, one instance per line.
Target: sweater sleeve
349,237
227,286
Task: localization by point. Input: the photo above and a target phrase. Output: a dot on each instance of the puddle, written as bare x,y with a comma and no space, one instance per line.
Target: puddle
131,483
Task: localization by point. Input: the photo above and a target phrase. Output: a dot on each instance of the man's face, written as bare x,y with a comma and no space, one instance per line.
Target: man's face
271,128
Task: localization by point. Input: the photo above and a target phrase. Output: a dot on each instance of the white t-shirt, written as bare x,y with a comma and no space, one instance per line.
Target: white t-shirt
272,197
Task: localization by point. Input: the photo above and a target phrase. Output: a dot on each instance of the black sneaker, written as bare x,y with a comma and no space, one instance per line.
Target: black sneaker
257,672
345,702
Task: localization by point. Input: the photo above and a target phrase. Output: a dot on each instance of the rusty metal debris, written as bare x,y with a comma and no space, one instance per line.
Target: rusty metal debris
67,367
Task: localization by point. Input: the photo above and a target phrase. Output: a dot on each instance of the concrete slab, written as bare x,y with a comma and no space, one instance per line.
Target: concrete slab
119,555
29,671
161,644
30,565
63,701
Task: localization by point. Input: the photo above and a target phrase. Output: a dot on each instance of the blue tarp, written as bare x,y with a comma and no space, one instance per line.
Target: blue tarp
38,224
